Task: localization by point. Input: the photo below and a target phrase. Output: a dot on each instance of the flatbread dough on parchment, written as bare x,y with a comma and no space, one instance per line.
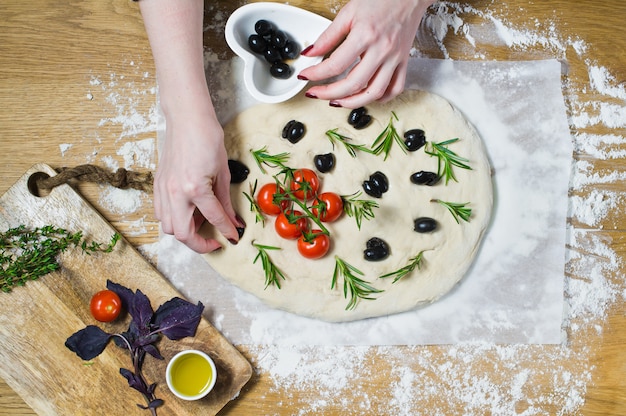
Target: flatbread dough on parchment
448,252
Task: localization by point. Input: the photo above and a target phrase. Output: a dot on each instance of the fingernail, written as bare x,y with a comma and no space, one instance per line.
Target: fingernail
306,50
217,249
310,95
240,220
302,78
335,104
233,241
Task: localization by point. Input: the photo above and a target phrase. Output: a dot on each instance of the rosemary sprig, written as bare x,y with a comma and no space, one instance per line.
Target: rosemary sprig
261,157
352,283
272,273
457,209
27,254
447,159
352,148
359,209
402,272
254,206
385,140
288,196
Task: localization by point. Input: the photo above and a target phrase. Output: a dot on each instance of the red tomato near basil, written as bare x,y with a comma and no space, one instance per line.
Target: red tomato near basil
265,199
316,247
290,229
330,206
105,306
305,180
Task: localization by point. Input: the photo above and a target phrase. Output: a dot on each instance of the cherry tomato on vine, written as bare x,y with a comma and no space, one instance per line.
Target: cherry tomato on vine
105,306
331,206
265,198
305,180
316,248
290,230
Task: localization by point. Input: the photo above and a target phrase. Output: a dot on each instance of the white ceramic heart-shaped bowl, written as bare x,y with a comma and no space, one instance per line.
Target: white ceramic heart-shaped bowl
302,26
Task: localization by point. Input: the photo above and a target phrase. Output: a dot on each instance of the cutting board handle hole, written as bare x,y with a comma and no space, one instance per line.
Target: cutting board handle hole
33,188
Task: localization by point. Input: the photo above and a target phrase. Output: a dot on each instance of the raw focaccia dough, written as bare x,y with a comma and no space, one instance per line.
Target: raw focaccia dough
448,252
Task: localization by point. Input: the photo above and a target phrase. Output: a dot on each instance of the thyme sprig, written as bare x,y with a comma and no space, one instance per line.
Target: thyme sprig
352,148
261,157
27,254
359,209
457,209
254,206
447,159
415,262
272,273
385,139
353,285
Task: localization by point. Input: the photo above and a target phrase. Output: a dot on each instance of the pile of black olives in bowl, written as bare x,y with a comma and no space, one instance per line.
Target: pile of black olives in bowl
275,46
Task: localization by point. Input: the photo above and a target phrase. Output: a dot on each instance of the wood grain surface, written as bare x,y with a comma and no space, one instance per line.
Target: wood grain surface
68,68
44,313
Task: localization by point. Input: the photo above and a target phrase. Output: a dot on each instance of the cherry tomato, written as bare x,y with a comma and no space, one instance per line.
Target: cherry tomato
290,230
305,180
105,306
331,206
265,198
316,248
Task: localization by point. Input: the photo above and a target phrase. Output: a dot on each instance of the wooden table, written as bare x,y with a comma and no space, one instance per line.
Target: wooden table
72,73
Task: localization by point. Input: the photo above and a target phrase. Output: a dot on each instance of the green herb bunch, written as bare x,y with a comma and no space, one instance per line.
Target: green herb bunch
27,254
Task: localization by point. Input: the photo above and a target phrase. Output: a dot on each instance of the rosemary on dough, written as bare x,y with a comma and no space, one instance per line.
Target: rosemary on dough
459,210
353,285
415,262
446,159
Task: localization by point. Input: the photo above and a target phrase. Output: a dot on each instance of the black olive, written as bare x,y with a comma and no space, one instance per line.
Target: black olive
240,231
324,163
363,122
291,50
272,55
263,27
376,249
293,131
380,181
371,189
355,115
257,44
414,139
281,70
424,225
278,39
425,178
238,171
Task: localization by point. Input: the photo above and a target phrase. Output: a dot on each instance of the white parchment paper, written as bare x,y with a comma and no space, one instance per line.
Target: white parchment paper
514,291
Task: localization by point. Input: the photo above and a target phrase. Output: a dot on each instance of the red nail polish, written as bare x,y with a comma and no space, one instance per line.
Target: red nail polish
302,77
335,104
309,95
306,50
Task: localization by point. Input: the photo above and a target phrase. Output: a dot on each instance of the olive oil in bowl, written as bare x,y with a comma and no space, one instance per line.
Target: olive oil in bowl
191,374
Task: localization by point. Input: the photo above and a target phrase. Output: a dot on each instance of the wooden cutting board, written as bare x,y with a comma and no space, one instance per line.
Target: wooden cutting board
36,319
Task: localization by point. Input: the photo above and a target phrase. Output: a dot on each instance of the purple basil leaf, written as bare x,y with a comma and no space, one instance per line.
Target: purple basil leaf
134,381
178,318
155,403
141,311
89,342
153,351
126,295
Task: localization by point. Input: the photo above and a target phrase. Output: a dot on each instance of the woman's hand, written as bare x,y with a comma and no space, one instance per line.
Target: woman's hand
373,35
192,183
